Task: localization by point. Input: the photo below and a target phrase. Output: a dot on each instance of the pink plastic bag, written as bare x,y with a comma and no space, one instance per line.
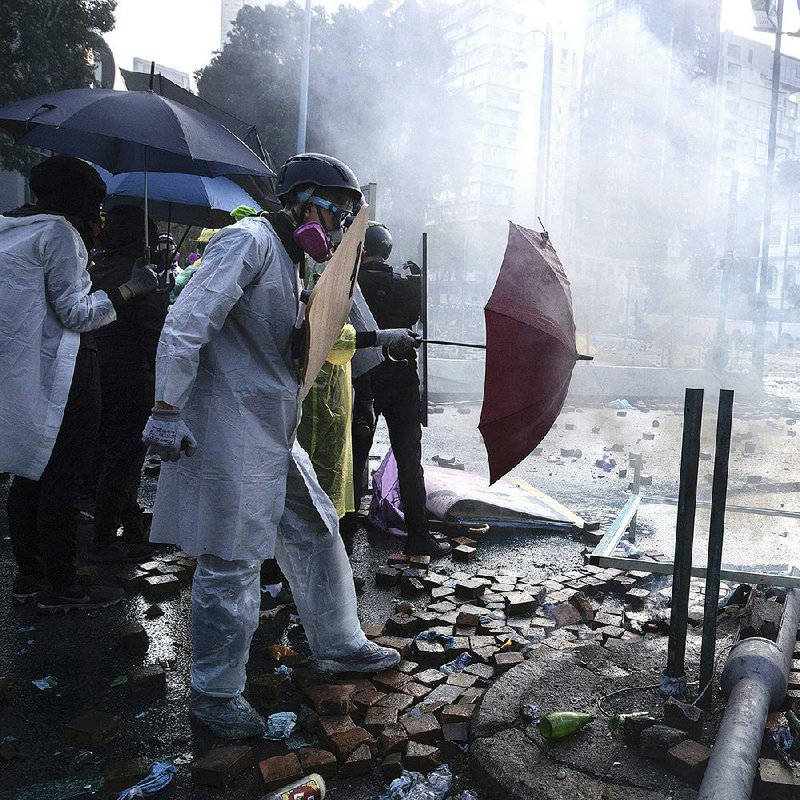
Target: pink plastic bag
386,508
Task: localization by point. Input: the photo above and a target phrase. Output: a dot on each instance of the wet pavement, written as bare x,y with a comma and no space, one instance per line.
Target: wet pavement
84,654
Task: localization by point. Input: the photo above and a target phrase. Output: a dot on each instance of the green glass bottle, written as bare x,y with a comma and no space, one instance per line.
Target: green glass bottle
559,724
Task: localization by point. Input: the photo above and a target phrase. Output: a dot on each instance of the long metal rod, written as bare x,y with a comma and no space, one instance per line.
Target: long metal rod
716,535
302,114
763,279
425,340
684,533
423,317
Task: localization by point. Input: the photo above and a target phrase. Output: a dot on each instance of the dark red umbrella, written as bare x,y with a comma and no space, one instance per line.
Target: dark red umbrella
530,350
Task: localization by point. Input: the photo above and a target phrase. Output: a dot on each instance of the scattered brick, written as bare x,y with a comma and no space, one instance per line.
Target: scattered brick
463,553
268,689
407,667
505,660
470,588
220,765
684,717
430,677
419,561
429,652
346,743
461,679
657,740
775,781
421,757
401,644
444,693
456,732
148,679
160,585
312,759
397,700
92,728
122,774
392,739
688,760
392,766
134,637
390,680
280,770
331,699
482,671
378,717
331,726
423,728
359,763
367,698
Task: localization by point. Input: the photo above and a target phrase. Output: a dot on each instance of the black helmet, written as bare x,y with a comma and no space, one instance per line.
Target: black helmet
377,241
319,170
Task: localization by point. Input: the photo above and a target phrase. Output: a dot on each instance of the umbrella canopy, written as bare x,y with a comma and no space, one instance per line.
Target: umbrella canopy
530,350
129,132
175,197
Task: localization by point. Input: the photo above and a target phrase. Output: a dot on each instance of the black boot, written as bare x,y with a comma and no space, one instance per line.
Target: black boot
423,544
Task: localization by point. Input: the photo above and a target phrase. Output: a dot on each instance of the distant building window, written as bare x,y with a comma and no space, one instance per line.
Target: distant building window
775,234
734,51
773,279
749,56
734,70
794,234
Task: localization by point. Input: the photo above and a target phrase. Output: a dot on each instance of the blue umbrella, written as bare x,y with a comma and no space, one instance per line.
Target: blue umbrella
130,132
176,197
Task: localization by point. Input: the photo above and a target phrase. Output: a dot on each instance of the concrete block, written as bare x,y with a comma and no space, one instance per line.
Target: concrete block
220,765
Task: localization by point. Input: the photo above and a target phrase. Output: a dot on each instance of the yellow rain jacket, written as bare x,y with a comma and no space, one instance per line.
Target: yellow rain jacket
325,426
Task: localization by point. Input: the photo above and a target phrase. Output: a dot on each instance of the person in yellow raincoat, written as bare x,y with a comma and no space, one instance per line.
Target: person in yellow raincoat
325,426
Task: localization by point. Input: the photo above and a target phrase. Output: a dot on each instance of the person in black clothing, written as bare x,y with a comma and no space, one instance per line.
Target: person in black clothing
127,353
392,389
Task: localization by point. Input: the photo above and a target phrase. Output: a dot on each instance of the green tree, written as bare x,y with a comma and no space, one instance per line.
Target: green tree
378,98
44,47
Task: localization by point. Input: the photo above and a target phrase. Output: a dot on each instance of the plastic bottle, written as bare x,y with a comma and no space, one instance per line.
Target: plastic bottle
558,724
312,787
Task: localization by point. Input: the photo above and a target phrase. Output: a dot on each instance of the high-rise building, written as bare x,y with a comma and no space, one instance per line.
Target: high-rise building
646,131
519,66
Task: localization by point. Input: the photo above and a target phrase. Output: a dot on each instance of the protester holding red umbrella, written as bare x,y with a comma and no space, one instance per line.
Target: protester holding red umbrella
50,403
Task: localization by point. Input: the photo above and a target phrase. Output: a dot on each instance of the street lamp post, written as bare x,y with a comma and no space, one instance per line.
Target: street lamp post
760,326
304,70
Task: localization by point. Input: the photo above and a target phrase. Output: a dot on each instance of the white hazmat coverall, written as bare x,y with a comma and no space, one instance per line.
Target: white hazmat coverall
249,492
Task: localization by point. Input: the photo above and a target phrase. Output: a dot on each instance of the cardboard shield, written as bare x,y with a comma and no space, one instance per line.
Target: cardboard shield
329,306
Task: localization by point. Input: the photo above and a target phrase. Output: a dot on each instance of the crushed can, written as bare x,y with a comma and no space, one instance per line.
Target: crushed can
312,787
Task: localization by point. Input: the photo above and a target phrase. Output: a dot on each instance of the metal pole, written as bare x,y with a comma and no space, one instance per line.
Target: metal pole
684,533
716,535
785,267
720,355
423,316
760,326
637,488
304,70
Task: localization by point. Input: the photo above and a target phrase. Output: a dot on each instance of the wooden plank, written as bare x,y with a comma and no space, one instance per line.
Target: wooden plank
614,533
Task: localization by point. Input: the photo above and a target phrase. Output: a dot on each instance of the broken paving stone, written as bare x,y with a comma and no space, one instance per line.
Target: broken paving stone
482,671
122,774
411,587
421,562
429,652
393,739
392,766
313,759
634,725
421,757
657,740
407,667
467,542
416,690
397,559
386,576
637,597
423,728
372,630
430,677
378,717
403,625
688,760
148,679
776,781
92,729
456,712
220,765
456,732
684,717
505,660
160,585
134,637
359,763
154,611
344,744
367,698
518,603
280,770
397,700
565,613
463,553
331,726
461,679
331,699
583,605
440,592
390,680
308,719
470,588
444,693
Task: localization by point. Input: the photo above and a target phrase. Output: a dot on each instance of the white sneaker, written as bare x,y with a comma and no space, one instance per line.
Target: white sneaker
228,717
368,658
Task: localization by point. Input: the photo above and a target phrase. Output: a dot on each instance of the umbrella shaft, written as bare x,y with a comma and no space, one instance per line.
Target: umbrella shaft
454,344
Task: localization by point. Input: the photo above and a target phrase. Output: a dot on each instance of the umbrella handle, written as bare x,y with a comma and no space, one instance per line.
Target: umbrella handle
583,357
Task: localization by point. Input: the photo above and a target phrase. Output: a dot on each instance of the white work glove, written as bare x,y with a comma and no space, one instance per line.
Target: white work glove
166,435
397,341
143,280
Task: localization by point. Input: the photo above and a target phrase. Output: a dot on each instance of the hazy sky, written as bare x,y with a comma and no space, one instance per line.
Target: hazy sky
183,34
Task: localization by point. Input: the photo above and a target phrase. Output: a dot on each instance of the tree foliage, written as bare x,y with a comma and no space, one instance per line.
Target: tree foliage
378,97
44,47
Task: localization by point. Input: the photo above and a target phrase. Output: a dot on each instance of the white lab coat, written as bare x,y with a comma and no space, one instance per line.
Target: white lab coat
224,359
44,307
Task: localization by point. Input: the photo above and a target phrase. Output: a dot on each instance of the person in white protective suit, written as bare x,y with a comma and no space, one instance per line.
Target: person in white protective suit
50,395
228,394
